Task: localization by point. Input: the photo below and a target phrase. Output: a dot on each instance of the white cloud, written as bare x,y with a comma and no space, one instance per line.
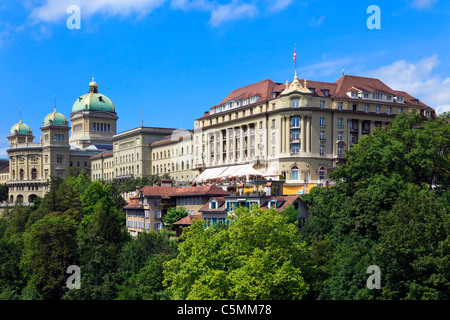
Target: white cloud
317,21
232,11
278,5
50,11
4,145
421,4
419,80
54,10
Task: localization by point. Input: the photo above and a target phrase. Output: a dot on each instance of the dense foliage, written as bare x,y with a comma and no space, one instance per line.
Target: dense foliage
390,209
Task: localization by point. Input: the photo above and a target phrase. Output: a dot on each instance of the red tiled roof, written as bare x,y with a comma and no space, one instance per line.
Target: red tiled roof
220,206
409,99
362,83
134,204
167,192
262,89
187,221
201,190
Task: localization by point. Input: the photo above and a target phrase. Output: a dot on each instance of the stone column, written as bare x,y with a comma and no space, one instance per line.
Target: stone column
308,134
220,146
282,135
288,135
241,147
303,132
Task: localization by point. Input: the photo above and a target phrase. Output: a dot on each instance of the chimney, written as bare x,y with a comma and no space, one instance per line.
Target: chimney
166,182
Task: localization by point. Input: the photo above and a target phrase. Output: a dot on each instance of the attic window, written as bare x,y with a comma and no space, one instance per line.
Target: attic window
326,92
273,204
313,90
100,98
213,204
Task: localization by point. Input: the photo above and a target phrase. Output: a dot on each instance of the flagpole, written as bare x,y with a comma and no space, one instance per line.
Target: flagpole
295,61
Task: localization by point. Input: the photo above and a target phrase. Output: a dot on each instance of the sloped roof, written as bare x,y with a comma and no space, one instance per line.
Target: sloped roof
262,89
187,221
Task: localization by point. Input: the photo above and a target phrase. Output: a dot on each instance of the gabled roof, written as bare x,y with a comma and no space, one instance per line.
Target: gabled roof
283,203
346,82
262,89
220,206
187,221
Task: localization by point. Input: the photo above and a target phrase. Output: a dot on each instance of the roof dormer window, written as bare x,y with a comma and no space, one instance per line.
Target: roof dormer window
213,204
326,92
273,204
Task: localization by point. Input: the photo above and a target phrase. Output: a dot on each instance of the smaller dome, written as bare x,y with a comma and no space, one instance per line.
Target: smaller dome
20,128
54,118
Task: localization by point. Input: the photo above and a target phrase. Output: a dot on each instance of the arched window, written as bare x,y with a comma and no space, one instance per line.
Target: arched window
182,163
322,173
294,173
33,174
21,174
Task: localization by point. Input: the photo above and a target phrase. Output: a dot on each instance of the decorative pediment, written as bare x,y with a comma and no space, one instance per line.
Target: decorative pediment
296,86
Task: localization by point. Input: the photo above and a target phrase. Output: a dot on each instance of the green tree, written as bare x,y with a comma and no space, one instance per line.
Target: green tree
383,212
258,256
174,214
140,266
49,248
101,235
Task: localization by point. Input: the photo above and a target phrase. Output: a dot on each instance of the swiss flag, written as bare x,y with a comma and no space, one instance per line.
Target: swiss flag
295,55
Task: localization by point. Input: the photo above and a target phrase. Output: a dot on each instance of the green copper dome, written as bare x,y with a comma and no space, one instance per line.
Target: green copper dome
93,101
54,118
20,128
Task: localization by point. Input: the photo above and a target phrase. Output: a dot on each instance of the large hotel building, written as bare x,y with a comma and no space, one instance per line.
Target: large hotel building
296,131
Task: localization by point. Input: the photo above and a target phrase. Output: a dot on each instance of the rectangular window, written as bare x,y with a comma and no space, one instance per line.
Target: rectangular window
389,110
339,150
340,122
295,122
322,135
295,103
322,122
366,108
295,148
378,108
339,105
321,150
273,123
295,134
322,104
339,137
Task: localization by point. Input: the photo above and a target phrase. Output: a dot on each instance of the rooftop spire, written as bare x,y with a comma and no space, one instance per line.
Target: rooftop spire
93,86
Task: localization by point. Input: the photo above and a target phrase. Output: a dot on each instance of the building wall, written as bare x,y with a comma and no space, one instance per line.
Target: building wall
323,133
174,157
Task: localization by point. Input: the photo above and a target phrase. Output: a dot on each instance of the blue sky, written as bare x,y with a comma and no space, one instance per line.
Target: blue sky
177,58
